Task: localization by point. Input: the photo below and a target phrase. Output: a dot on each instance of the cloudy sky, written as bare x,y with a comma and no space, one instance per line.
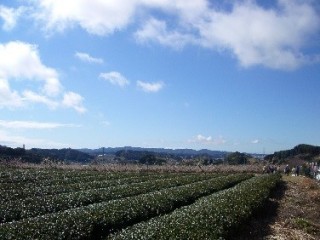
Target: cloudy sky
223,75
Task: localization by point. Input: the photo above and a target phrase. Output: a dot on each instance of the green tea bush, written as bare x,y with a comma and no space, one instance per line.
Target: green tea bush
40,205
212,217
17,191
96,220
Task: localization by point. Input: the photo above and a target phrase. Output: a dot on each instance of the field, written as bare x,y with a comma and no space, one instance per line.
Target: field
49,203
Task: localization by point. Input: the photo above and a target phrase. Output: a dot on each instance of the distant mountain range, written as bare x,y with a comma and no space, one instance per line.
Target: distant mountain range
37,155
184,152
176,152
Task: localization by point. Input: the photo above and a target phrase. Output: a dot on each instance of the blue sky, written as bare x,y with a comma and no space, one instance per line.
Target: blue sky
221,75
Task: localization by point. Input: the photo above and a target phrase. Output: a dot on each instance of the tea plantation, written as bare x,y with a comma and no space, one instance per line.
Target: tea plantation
84,204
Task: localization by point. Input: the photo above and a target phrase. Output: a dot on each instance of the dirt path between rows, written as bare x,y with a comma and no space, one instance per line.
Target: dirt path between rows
291,213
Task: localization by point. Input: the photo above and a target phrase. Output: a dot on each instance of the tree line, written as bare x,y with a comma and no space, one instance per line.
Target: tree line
37,155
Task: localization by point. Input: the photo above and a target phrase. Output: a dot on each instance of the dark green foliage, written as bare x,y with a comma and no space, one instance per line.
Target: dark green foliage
305,151
142,157
36,155
66,154
96,220
237,158
212,217
41,204
18,154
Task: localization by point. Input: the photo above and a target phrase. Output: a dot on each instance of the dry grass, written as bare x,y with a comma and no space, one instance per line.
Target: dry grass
292,212
145,168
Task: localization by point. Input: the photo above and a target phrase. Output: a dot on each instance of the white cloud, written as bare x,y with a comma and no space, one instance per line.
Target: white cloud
105,17
115,78
10,139
9,17
8,98
157,31
255,141
52,87
74,100
85,57
21,62
274,37
33,125
96,17
201,139
150,87
30,96
258,36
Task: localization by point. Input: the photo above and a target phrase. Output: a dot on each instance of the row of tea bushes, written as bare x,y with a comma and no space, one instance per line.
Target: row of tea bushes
57,177
96,220
40,205
21,175
212,217
14,192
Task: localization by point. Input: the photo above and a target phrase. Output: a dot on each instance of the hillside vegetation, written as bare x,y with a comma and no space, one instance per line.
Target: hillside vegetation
37,155
303,152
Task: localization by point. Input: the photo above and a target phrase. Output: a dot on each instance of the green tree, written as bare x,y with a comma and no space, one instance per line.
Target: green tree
237,158
148,159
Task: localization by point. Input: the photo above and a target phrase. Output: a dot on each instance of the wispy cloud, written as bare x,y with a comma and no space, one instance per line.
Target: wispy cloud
74,100
157,31
150,86
85,57
10,16
255,141
115,78
13,140
33,97
9,98
33,125
105,123
208,140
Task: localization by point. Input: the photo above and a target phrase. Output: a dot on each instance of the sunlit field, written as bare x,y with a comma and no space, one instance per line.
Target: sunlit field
111,202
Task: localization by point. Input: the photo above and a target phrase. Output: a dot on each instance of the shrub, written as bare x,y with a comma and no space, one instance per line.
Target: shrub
96,220
212,217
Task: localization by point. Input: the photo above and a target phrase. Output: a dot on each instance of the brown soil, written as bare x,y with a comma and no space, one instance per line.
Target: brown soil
292,212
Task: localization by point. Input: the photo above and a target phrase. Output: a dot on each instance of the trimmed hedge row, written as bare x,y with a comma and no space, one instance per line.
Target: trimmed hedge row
12,175
60,178
17,191
40,205
212,217
96,220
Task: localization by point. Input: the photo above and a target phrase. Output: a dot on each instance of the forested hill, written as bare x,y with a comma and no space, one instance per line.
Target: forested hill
160,151
36,155
303,152
65,154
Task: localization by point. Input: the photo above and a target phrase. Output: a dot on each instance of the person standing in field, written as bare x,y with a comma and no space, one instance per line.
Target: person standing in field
287,170
315,170
297,170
